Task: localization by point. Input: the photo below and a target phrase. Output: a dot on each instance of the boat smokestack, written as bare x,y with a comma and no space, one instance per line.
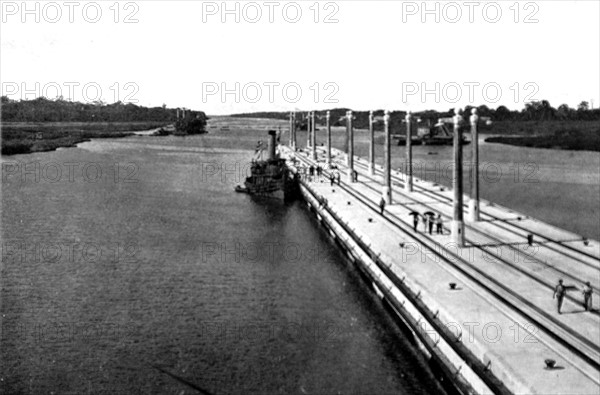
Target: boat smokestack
272,144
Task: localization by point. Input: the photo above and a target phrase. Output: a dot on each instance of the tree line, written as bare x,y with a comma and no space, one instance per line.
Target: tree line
533,111
45,110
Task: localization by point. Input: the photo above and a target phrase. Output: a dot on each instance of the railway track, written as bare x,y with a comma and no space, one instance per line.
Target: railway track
494,241
578,344
556,245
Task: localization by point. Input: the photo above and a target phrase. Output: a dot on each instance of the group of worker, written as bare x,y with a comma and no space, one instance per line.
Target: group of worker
310,172
428,222
560,291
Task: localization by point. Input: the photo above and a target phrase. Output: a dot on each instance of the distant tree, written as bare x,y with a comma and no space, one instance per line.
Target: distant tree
502,113
538,111
467,111
563,111
194,123
484,111
583,106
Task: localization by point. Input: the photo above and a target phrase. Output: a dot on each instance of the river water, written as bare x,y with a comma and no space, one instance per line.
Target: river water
126,262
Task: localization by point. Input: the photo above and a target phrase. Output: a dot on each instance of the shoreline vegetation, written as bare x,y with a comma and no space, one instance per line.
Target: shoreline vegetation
573,140
41,125
537,125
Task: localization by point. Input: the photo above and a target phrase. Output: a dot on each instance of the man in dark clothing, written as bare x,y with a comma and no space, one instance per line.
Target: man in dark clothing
559,294
530,239
415,222
382,205
438,224
430,223
331,178
587,296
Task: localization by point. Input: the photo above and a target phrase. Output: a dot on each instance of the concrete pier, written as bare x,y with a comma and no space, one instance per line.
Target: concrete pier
482,312
308,129
474,201
409,160
328,156
386,190
457,227
313,142
350,156
371,144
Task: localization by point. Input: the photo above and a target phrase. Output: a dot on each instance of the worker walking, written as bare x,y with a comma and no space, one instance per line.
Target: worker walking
381,205
559,294
587,296
438,224
415,222
430,223
331,178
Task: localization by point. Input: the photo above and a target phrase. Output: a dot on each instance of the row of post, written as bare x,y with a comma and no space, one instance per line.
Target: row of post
457,224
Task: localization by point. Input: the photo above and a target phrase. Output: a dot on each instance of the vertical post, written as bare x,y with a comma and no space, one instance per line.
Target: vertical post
371,145
350,146
183,111
328,138
314,137
272,144
387,160
294,143
177,113
291,129
308,129
408,185
474,202
457,226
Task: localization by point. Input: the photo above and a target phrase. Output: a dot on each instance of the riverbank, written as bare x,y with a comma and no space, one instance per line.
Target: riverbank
564,140
562,135
28,137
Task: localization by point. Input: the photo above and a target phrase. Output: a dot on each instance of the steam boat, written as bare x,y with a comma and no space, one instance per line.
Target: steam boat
268,177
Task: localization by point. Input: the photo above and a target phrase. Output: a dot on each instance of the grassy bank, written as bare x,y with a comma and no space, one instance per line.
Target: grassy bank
566,139
538,128
25,137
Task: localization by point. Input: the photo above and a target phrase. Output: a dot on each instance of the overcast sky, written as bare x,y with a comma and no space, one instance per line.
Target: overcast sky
357,54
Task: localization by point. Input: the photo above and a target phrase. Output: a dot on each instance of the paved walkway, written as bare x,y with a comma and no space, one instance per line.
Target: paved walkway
503,303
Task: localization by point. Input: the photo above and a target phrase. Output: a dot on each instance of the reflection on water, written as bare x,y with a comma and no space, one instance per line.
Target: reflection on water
128,256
